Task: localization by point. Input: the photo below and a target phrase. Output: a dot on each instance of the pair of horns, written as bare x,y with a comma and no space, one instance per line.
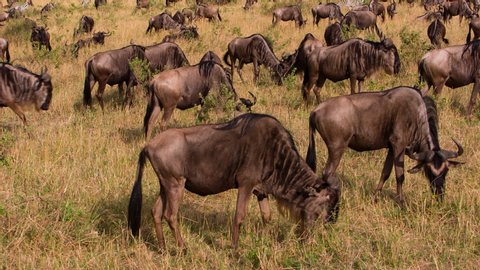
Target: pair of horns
428,155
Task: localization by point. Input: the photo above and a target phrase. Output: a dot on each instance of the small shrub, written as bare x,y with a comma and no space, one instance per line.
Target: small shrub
349,31
141,70
413,47
221,101
236,31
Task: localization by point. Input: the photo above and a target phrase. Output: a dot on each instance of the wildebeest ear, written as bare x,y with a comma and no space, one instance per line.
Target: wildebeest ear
417,168
454,163
388,43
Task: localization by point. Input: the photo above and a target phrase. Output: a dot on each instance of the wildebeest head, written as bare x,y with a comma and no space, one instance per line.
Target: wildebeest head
391,63
43,94
99,37
435,164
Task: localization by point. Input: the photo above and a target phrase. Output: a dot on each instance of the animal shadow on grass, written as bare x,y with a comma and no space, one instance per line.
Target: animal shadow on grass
111,96
131,135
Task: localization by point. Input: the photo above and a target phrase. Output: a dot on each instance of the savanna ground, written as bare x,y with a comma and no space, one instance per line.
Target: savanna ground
66,177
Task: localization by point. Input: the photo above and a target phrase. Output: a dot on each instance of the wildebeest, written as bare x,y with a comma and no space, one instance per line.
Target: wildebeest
328,10
288,13
178,17
85,25
253,153
249,3
333,34
456,8
20,88
4,51
453,66
354,59
49,6
188,14
112,68
97,38
306,47
257,50
208,12
168,2
436,33
395,119
143,4
162,21
189,32
377,8
183,88
165,55
392,10
40,37
360,19
99,3
474,26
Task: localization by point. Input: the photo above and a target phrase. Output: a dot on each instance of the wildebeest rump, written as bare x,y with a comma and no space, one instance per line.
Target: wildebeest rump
436,33
355,59
333,34
289,13
112,68
253,153
211,56
20,87
40,37
85,25
473,26
257,50
208,12
165,55
4,51
162,21
183,88
328,10
453,66
306,47
395,119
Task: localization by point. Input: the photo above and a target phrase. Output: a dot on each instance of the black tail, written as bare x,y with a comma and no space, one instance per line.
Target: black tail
135,205
8,55
218,14
469,36
149,28
445,40
151,105
225,59
311,155
87,92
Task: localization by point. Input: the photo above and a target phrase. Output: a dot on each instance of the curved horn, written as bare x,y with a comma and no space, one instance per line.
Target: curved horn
254,98
422,156
379,33
450,154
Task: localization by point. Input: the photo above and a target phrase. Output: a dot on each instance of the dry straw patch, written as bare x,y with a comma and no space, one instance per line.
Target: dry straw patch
66,178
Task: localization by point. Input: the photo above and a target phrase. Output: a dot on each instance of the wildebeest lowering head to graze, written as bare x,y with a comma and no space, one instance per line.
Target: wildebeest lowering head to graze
253,153
289,13
208,12
165,55
396,119
20,88
4,51
99,3
85,25
453,66
40,37
456,8
112,68
257,50
97,38
328,10
436,33
162,21
360,19
354,59
333,34
189,32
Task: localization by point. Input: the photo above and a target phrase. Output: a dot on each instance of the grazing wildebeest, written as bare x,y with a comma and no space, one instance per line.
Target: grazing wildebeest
436,33
178,17
306,47
453,66
253,153
4,52
257,50
249,3
360,19
99,3
165,55
288,13
162,21
354,59
474,26
208,12
187,33
457,8
20,88
183,88
85,25
211,56
97,38
328,10
112,68
40,37
188,13
377,8
47,8
333,34
392,10
395,119
143,4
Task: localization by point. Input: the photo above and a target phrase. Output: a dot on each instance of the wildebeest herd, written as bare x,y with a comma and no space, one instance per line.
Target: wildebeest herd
403,120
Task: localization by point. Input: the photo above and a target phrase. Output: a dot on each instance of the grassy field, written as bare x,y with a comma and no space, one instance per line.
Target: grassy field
66,178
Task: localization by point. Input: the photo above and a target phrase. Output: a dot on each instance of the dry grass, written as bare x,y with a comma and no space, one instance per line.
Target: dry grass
67,177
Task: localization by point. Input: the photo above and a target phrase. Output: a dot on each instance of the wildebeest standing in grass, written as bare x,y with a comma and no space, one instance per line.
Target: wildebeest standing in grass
162,21
40,37
4,51
453,66
100,3
208,12
189,32
249,4
306,47
253,153
360,19
97,38
188,14
168,2
456,8
333,34
473,26
179,18
143,4
354,59
85,25
377,8
329,10
395,119
165,55
392,10
436,33
257,50
112,68
49,6
183,88
289,13
20,88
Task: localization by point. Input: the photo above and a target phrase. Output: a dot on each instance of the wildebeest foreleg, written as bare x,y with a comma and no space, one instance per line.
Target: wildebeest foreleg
309,79
352,85
256,70
318,87
157,214
387,170
239,70
473,99
399,153
18,110
360,86
244,194
99,95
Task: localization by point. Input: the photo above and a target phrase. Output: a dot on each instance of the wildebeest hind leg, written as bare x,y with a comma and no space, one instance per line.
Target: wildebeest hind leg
242,202
99,95
152,118
157,214
167,114
335,154
174,190
239,69
473,99
387,170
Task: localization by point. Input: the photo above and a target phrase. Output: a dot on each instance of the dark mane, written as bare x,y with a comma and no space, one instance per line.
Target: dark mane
432,121
266,55
205,68
266,40
474,46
